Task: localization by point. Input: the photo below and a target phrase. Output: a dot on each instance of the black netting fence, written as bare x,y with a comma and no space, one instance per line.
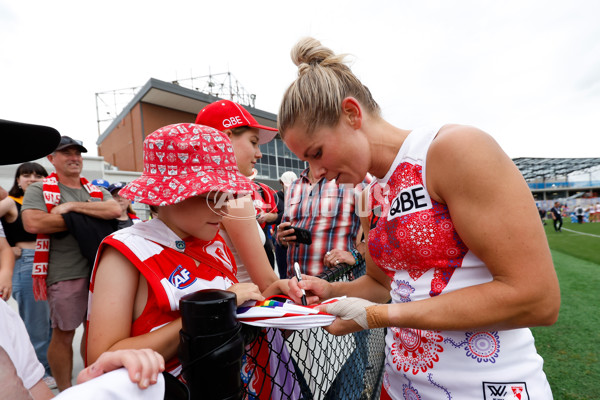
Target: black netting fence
313,364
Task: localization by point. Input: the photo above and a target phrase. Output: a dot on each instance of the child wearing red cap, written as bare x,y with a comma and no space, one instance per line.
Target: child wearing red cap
241,228
142,271
245,238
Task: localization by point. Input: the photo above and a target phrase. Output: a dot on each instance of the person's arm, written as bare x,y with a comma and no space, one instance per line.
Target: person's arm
37,220
481,184
108,209
240,224
10,382
41,222
143,366
7,265
266,218
374,286
245,291
8,210
270,216
338,256
279,197
40,391
112,312
360,242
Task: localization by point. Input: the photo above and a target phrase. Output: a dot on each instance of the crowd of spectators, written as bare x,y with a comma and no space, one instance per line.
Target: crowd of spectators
22,373
582,211
434,268
57,222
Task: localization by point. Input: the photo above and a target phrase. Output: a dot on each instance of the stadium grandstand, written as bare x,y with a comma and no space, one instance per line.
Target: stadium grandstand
570,181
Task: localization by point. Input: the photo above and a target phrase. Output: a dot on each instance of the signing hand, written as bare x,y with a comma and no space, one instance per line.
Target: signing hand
316,289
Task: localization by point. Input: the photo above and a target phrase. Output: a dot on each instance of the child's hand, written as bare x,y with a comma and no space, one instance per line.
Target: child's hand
142,365
278,287
245,292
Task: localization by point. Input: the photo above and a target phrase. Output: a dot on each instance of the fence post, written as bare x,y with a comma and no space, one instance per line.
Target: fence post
211,345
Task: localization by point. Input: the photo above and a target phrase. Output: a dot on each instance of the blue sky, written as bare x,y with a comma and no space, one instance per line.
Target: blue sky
526,71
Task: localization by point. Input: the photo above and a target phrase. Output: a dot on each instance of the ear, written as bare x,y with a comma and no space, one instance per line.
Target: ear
228,132
50,157
352,112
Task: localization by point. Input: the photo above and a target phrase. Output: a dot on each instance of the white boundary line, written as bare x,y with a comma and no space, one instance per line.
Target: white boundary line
580,233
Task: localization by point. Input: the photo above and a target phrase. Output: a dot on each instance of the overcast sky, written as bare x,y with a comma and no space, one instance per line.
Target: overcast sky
525,71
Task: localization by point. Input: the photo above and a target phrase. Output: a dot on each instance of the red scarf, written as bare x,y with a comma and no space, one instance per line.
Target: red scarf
51,193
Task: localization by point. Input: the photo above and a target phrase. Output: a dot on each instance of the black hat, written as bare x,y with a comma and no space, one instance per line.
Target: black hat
25,142
66,141
115,186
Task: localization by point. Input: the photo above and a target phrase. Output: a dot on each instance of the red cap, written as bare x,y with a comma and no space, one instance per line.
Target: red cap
225,114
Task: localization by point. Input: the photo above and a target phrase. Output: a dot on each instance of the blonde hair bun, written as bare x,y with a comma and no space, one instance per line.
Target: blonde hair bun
310,52
314,99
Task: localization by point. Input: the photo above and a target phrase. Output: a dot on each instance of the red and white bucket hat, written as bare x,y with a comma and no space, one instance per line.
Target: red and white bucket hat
183,161
226,114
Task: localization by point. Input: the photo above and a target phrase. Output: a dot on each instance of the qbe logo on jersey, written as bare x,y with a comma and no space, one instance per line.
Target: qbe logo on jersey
505,391
408,201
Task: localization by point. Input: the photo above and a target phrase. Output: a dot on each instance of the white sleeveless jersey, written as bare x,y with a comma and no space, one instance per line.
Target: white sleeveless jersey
416,245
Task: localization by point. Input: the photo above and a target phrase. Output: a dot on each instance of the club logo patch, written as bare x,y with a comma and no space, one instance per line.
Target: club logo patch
505,391
181,278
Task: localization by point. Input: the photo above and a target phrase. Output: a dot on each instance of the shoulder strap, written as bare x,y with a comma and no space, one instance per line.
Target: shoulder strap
18,200
214,254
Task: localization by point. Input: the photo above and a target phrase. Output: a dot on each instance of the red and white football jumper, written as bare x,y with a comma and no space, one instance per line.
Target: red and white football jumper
160,256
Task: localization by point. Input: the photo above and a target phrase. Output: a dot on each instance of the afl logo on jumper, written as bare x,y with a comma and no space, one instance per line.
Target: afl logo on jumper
408,201
505,391
180,278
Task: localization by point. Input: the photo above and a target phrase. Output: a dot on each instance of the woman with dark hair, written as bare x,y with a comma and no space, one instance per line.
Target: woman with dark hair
241,229
35,314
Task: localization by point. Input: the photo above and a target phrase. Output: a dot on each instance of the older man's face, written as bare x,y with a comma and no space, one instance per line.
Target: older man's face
67,161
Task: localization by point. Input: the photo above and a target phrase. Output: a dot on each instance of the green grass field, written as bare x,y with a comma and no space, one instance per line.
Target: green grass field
571,347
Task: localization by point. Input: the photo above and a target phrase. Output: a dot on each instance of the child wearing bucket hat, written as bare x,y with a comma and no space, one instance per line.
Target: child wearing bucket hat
142,271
